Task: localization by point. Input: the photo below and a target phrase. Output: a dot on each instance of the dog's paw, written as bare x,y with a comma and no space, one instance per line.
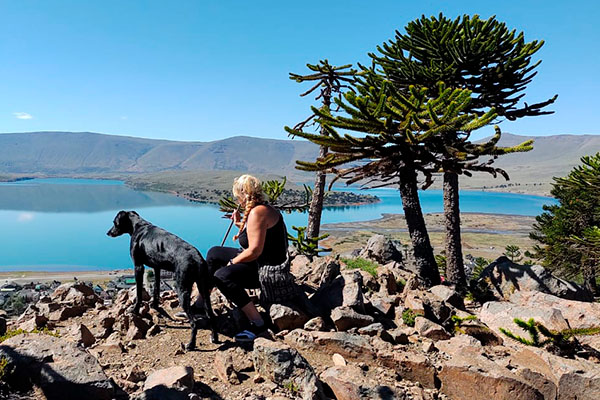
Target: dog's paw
214,339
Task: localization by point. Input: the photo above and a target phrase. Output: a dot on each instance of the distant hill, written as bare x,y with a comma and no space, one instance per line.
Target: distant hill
94,154
60,153
551,156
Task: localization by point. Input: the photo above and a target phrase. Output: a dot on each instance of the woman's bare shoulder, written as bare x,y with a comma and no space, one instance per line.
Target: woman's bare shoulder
265,211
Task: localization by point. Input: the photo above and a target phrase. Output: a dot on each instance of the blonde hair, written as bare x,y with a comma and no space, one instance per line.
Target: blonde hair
249,189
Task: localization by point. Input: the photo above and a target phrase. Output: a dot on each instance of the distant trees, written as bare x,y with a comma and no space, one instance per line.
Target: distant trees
483,56
330,81
568,231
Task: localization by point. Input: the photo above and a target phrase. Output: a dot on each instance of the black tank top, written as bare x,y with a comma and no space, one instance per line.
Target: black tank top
276,244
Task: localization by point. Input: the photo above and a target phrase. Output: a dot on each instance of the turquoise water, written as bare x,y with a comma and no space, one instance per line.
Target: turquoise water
61,224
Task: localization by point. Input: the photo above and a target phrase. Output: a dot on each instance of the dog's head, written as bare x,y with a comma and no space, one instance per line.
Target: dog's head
123,223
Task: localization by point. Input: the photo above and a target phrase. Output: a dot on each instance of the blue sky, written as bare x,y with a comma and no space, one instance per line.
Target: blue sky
206,70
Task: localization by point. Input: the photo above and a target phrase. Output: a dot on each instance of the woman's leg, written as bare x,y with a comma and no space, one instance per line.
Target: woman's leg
232,281
218,257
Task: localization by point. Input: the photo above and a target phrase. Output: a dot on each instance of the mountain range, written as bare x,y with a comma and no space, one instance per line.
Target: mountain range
94,154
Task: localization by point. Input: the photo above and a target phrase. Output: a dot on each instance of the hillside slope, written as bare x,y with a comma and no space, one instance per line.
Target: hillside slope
85,153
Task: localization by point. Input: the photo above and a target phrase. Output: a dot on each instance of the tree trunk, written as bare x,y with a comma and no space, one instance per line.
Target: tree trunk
589,277
455,269
422,249
316,203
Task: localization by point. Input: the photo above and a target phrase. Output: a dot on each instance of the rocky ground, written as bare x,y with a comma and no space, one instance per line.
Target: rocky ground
360,336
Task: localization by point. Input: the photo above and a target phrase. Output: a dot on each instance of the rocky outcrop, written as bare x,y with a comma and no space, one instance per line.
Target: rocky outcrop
505,278
178,377
348,382
345,318
381,250
284,366
287,318
57,366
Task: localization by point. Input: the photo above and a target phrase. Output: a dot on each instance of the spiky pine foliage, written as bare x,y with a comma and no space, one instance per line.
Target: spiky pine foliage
481,55
564,342
513,252
273,190
308,246
569,242
330,81
530,327
401,137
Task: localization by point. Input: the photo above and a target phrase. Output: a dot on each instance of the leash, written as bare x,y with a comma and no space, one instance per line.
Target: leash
228,229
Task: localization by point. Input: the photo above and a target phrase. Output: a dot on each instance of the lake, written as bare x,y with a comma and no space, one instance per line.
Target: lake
61,224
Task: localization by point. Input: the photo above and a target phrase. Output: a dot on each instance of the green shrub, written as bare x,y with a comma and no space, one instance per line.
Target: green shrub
409,316
16,332
3,364
360,263
400,283
457,322
561,339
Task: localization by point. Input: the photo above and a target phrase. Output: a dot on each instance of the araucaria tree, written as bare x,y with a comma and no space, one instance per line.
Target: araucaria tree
483,56
397,130
568,231
329,80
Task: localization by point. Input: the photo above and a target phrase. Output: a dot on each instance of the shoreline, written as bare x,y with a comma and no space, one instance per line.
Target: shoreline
123,178
480,228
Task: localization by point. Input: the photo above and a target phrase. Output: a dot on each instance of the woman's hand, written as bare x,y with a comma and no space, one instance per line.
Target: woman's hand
236,217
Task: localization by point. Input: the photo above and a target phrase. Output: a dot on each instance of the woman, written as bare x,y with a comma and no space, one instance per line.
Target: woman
263,237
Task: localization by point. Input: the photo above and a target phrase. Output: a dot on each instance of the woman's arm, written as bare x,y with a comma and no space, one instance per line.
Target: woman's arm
256,228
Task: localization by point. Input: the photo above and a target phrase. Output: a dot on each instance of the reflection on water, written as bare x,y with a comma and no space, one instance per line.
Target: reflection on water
60,224
78,195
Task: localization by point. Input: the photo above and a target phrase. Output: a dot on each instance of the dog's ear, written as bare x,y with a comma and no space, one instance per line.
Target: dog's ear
134,213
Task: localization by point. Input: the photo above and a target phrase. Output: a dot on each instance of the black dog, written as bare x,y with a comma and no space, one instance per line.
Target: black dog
159,249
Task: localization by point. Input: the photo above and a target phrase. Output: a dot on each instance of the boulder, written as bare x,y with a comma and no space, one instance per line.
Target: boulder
66,312
224,365
578,314
349,382
384,304
471,374
2,326
506,278
135,374
57,366
448,295
557,377
352,294
72,290
83,335
345,318
285,366
348,345
137,328
46,308
319,272
315,324
496,315
381,250
410,365
178,377
286,318
345,290
35,322
387,282
430,329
